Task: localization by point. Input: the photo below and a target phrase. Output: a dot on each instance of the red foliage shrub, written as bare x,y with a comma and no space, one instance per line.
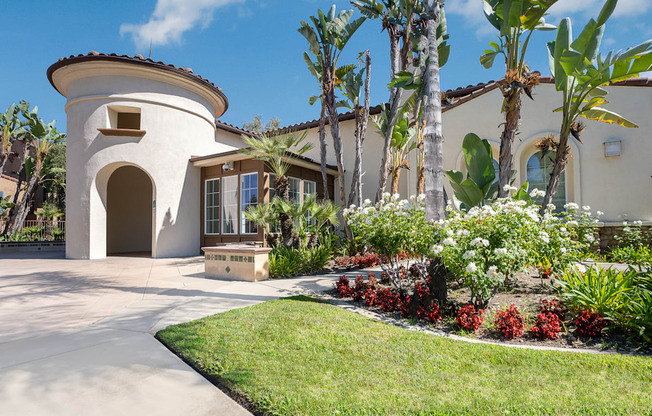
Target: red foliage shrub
554,306
384,279
370,297
359,288
433,315
360,260
548,326
371,278
387,299
404,306
342,287
510,322
469,319
590,324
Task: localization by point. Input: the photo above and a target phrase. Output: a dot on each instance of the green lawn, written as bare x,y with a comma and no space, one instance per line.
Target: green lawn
298,356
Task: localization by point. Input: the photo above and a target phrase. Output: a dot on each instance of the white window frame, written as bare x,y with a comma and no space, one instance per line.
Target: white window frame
241,189
564,176
219,206
300,188
237,204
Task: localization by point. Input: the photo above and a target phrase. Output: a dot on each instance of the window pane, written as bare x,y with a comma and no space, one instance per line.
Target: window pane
249,193
309,189
539,168
212,207
230,205
295,189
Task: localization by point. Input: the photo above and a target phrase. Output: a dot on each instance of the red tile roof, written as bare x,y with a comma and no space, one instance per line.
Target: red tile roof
137,60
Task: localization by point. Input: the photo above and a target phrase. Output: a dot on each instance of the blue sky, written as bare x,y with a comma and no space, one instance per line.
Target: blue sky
250,48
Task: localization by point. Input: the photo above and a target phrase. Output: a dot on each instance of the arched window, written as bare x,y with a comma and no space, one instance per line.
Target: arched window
539,168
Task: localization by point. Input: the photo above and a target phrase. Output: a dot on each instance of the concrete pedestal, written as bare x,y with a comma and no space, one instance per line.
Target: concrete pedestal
237,262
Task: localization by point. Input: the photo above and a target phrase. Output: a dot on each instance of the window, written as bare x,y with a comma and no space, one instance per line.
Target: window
496,171
212,206
309,188
124,117
129,121
272,186
230,205
539,168
249,198
294,185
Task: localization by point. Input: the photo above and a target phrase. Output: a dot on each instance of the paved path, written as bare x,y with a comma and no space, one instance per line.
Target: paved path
76,337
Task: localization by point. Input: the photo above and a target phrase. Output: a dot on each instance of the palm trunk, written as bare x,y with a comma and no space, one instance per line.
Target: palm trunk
361,121
396,173
420,149
333,120
322,148
557,170
512,112
433,138
283,191
394,102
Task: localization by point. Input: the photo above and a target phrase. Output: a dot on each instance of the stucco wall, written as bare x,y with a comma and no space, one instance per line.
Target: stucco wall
178,124
619,186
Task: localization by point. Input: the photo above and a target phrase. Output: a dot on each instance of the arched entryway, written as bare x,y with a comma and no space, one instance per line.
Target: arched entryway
129,212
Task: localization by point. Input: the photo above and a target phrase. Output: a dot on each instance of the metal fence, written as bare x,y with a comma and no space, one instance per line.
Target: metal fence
40,230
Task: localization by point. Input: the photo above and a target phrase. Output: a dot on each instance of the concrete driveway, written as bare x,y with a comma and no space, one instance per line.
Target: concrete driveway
76,337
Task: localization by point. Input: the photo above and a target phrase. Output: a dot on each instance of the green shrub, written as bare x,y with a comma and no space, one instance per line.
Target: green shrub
634,255
316,258
285,262
622,297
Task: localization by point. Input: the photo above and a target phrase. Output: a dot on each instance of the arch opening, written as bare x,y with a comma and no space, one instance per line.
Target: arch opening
129,212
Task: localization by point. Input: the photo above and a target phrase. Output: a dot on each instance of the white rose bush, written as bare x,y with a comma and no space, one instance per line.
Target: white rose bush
484,247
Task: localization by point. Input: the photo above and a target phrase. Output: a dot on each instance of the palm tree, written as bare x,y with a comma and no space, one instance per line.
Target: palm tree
402,143
277,152
434,157
316,71
43,136
11,127
514,20
324,214
327,39
396,18
352,84
579,73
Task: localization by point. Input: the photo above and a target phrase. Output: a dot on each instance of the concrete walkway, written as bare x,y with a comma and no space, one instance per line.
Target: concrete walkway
76,337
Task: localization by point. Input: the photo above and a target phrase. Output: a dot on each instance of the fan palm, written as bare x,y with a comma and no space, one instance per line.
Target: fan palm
277,152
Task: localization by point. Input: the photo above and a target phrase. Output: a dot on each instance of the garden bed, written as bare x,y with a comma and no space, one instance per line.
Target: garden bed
300,356
526,293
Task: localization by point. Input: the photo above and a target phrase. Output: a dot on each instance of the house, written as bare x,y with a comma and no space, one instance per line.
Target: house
150,168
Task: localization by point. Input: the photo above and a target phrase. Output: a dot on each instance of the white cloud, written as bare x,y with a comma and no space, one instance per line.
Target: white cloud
591,8
171,19
473,14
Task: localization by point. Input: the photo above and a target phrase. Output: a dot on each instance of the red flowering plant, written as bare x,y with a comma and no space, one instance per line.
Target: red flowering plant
554,306
387,299
590,324
470,319
510,322
548,326
342,287
404,306
359,288
371,297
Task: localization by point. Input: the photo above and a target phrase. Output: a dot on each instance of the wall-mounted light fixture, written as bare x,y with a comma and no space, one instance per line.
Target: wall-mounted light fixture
227,166
612,147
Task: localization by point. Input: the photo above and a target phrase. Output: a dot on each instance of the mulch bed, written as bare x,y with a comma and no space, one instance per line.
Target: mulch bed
526,293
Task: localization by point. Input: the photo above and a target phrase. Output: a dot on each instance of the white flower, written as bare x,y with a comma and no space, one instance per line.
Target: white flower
469,254
627,229
599,213
563,229
638,223
386,195
492,271
367,201
448,242
589,238
500,251
436,249
352,207
479,242
506,188
537,193
395,197
422,197
449,233
551,207
461,233
571,206
544,237
572,223
471,268
345,212
586,208
563,249
624,222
